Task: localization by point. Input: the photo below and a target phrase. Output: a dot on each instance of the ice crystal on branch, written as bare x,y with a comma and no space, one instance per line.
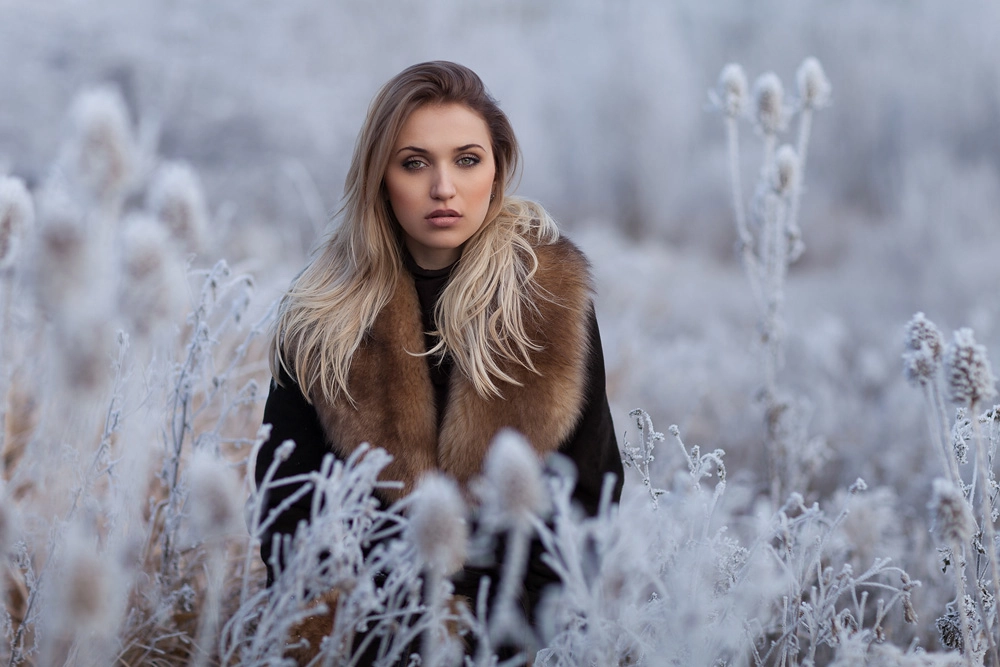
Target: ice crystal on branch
967,370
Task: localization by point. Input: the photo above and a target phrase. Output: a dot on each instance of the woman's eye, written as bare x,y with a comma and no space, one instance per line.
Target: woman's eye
468,161
413,164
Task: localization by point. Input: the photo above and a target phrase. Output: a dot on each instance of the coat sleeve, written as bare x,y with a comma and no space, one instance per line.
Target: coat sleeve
291,418
593,448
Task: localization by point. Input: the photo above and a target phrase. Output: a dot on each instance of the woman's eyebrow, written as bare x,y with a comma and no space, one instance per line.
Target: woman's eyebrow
418,149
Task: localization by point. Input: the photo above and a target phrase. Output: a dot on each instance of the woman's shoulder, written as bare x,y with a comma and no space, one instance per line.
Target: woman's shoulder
564,271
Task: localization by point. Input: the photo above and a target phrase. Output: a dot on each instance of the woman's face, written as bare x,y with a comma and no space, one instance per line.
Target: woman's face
439,180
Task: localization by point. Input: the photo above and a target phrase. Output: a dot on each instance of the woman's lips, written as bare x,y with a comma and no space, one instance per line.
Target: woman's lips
443,217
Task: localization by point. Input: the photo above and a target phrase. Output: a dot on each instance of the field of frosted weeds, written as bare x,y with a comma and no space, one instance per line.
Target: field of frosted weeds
132,370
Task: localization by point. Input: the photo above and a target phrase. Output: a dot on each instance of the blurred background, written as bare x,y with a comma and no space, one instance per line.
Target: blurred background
609,98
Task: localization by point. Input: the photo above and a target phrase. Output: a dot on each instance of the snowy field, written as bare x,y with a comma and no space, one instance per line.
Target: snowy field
230,126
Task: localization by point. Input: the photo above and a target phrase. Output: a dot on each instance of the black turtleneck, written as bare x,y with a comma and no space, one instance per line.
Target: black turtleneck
430,283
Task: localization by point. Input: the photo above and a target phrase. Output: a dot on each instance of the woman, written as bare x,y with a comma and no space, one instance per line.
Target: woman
440,310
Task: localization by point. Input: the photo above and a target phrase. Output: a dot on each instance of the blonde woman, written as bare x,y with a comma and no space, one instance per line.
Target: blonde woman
441,310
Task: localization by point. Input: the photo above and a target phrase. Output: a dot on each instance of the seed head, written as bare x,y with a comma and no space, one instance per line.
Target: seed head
152,275
512,488
17,214
214,503
967,370
102,148
950,514
87,589
924,348
732,90
769,98
437,524
176,198
814,87
786,170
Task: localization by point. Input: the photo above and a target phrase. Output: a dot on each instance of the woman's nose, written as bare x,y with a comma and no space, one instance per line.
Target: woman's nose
443,187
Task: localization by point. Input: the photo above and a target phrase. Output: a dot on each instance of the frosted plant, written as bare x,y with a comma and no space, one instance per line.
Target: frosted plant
17,214
512,492
152,293
968,372
731,95
954,526
640,456
177,200
770,113
438,529
770,240
922,359
102,151
813,86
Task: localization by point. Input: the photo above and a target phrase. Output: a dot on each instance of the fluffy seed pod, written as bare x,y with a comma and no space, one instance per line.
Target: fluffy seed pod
102,148
176,198
86,591
924,349
950,514
152,289
967,370
17,214
814,87
732,90
512,488
215,502
437,524
786,170
769,98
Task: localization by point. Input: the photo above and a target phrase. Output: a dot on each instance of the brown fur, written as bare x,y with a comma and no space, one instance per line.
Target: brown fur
394,397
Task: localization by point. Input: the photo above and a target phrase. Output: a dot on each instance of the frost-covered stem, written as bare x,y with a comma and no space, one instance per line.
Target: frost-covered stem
428,646
988,530
209,619
942,416
750,264
258,508
963,613
770,144
805,127
514,562
934,421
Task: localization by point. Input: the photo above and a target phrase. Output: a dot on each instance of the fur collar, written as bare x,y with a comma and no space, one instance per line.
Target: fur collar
395,398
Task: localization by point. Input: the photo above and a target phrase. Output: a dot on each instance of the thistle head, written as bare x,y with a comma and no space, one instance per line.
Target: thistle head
512,488
215,500
769,99
437,526
786,170
814,87
152,289
17,213
924,349
950,514
102,149
732,90
968,374
176,198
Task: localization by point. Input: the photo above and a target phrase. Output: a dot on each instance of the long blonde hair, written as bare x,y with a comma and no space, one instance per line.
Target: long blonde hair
481,315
